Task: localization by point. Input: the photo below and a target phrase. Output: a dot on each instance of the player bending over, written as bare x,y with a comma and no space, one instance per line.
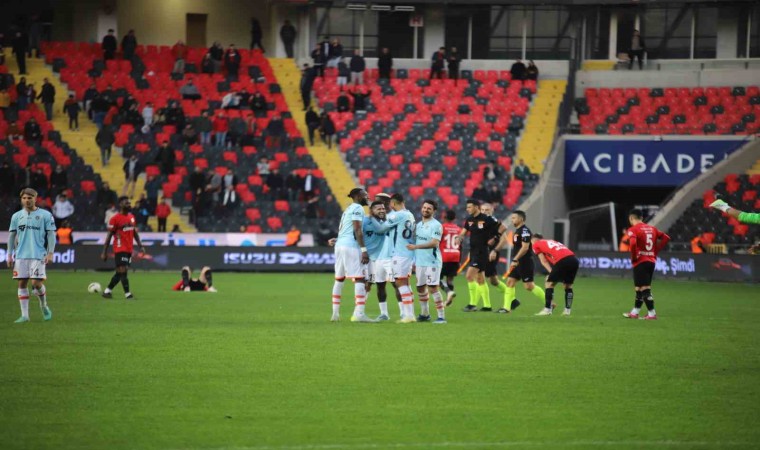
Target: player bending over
204,282
562,266
451,255
427,259
31,243
646,242
122,228
522,267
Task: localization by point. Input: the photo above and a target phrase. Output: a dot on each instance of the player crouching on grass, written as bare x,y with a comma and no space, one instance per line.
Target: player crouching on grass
562,266
31,242
204,282
646,242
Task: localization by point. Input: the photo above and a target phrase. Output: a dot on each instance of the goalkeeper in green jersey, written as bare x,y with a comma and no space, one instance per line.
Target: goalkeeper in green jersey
743,217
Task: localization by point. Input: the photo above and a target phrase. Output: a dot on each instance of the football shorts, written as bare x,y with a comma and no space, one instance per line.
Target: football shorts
348,263
428,276
564,271
524,271
402,267
381,271
29,268
122,259
643,273
450,269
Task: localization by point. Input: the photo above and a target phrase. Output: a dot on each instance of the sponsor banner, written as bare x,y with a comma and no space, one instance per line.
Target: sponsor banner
642,162
192,239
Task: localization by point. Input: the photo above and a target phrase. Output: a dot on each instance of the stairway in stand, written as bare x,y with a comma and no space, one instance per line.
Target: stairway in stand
329,161
84,139
538,137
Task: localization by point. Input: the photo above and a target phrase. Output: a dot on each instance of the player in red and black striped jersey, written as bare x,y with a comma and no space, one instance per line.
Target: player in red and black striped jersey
123,229
562,266
521,267
646,242
451,254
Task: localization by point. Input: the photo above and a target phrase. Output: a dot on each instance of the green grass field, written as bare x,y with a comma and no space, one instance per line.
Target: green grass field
259,366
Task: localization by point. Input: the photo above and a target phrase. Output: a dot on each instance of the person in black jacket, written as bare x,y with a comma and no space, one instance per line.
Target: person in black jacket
132,170
327,129
312,123
59,180
19,49
232,61
129,45
207,64
637,50
343,103
259,105
256,34
453,59
165,158
217,55
360,100
518,70
47,95
357,66
105,139
336,53
288,36
531,73
308,75
319,59
385,64
109,45
72,109
275,133
32,131
89,96
343,73
437,64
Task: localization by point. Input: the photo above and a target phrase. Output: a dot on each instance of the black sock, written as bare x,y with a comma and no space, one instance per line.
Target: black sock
185,278
209,278
549,296
125,282
382,295
646,295
114,280
637,304
444,286
515,303
569,298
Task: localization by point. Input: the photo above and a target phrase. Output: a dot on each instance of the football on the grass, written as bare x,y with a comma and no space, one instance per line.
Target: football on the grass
93,288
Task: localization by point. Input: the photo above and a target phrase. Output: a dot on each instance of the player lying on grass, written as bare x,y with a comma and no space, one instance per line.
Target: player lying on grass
562,266
204,282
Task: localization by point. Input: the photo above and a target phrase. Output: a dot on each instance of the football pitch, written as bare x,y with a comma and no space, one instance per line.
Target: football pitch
258,365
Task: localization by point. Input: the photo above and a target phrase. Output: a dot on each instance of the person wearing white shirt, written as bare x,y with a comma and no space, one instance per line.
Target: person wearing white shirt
62,210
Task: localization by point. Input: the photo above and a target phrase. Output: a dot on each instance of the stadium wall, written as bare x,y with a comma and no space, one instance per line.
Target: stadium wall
743,75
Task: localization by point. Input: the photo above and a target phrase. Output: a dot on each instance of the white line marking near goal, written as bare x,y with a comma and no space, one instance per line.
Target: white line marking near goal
558,444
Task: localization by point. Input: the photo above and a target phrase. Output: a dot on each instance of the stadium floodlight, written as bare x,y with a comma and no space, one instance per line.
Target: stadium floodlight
356,7
381,7
404,9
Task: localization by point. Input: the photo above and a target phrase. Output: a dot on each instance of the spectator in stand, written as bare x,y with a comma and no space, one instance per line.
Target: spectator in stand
163,211
142,211
189,91
324,234
31,93
109,213
357,65
309,185
207,64
327,129
5,100
217,56
312,123
229,183
522,172
518,70
111,116
35,36
89,96
6,180
318,59
275,183
59,180
360,100
40,183
259,105
495,196
453,60
531,73
262,167
308,75
109,95
129,45
293,237
47,95
637,50
174,115
231,100
32,131
72,108
342,103
288,36
213,188
13,132
491,172
343,73
293,185
232,61
132,170
385,64
19,49
438,61
221,126
480,193
62,210
197,181
64,235
165,158
311,211
275,133
105,197
335,54
204,127
324,45
256,34
331,207
189,136
21,94
105,140
147,114
152,186
109,45
133,117
179,52
99,108
245,99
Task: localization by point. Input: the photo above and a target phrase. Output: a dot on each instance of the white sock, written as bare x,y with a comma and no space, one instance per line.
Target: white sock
42,296
652,313
384,308
424,306
438,299
407,300
106,291
23,299
635,311
401,309
337,289
360,295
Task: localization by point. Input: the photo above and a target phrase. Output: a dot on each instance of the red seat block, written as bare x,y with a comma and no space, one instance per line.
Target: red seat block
396,160
282,205
88,186
253,214
416,192
275,223
450,162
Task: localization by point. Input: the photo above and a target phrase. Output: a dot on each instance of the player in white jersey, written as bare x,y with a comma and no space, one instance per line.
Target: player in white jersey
400,226
377,242
351,257
428,261
31,243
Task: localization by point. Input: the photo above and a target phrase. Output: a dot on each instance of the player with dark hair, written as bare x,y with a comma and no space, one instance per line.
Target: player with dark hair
646,242
521,267
385,260
562,266
379,270
123,229
204,282
428,261
491,272
481,228
450,254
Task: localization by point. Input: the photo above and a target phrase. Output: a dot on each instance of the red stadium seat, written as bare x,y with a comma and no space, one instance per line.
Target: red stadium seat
274,223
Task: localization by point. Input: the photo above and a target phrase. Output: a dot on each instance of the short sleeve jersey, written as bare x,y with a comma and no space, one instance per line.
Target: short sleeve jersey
31,232
373,239
402,232
645,246
425,232
553,250
449,245
481,228
123,228
346,237
522,237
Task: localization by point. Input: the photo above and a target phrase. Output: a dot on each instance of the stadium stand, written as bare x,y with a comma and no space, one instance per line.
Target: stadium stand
672,110
148,78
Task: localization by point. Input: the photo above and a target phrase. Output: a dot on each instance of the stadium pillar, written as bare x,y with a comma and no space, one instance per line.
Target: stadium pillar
612,54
